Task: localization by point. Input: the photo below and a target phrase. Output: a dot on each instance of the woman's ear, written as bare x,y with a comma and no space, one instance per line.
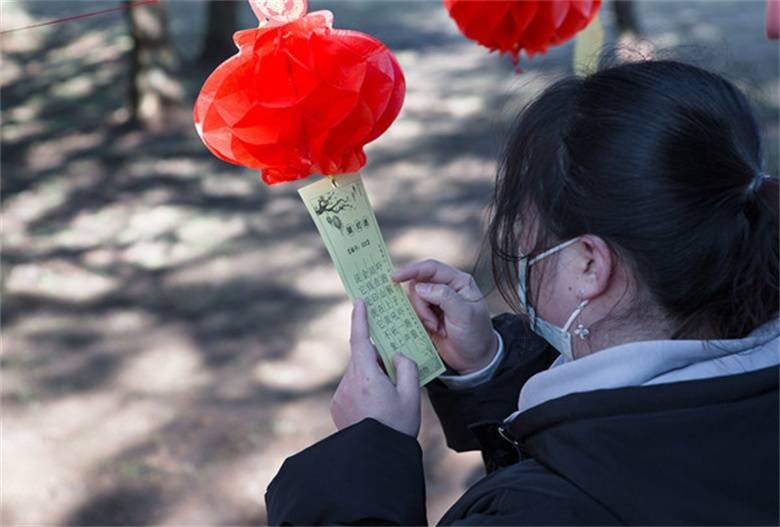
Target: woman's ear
595,266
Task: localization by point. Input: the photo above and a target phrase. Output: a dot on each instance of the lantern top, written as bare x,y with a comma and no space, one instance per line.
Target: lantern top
278,12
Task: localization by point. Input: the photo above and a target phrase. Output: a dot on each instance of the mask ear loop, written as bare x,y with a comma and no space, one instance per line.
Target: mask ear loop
535,259
525,265
551,251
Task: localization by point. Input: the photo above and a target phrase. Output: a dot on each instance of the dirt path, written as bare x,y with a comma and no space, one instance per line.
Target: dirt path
173,329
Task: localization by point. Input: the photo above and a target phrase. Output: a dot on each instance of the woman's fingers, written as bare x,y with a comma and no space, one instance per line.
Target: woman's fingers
432,271
423,310
363,353
453,305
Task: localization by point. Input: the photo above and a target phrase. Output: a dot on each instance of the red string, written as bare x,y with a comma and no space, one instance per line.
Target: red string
130,5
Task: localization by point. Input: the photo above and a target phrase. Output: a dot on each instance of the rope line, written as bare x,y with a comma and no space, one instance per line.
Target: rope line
135,3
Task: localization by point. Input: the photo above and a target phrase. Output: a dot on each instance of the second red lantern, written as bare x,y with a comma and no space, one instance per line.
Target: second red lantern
509,26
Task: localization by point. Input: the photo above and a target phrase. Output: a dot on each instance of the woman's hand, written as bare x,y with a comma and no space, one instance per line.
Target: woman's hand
454,311
366,390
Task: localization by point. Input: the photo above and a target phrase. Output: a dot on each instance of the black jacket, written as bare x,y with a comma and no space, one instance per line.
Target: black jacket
693,452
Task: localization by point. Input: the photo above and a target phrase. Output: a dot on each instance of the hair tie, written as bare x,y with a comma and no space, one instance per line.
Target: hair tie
753,187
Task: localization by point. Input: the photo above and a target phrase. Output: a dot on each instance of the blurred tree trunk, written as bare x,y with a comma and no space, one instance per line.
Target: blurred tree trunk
154,89
626,17
631,44
221,17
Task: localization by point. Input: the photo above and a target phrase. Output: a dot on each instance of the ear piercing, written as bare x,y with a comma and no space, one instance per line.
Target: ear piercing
581,331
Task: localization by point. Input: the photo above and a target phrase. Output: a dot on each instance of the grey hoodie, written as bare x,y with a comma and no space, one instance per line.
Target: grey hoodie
640,363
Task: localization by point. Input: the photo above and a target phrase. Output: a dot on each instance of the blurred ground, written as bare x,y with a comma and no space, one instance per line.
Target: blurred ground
172,328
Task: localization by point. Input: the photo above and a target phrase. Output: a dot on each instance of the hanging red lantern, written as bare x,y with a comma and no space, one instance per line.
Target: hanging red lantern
300,97
509,26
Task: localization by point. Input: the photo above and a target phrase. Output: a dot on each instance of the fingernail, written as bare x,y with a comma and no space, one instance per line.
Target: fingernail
422,288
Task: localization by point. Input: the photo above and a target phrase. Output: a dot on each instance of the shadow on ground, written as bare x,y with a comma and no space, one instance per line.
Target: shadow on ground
173,329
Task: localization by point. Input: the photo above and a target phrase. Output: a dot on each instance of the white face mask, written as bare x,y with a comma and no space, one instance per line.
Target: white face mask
558,337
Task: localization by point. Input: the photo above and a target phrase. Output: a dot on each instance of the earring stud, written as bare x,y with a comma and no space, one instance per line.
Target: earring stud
581,331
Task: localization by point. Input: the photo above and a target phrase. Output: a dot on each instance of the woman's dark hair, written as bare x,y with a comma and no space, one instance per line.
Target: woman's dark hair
656,158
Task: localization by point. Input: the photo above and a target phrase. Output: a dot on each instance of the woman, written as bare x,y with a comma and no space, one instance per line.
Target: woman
635,233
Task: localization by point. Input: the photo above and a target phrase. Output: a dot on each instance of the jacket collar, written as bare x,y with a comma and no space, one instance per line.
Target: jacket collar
651,453
652,362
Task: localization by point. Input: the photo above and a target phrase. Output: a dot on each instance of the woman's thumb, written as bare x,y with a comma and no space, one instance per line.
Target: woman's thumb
407,380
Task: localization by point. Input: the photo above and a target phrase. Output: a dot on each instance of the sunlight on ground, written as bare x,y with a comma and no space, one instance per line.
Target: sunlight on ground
172,328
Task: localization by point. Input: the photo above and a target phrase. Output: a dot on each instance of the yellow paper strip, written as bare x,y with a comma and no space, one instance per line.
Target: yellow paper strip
587,48
348,226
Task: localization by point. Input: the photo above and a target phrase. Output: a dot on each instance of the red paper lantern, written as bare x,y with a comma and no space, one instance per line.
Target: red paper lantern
300,97
509,26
